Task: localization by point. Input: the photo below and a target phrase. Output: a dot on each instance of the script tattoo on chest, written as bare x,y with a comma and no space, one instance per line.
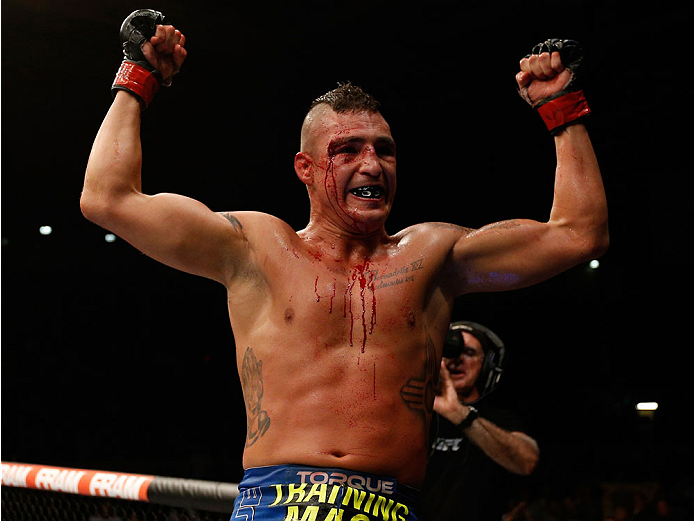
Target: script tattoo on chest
258,422
401,275
419,391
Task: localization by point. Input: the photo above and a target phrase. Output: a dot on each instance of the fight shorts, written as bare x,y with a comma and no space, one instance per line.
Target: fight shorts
298,493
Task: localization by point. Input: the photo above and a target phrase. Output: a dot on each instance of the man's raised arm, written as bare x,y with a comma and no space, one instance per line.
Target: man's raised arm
518,253
176,230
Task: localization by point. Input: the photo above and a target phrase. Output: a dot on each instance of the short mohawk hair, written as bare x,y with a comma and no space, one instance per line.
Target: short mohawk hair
348,98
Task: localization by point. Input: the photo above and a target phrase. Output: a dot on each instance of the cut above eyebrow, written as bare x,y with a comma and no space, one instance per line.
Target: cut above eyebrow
383,140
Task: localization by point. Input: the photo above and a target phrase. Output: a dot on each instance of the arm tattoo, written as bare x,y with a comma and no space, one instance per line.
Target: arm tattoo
257,419
233,220
419,392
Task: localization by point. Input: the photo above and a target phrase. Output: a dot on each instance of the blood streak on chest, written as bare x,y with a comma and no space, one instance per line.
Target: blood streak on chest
362,275
360,289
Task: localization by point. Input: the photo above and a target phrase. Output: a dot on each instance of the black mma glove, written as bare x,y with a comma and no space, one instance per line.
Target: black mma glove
136,75
569,105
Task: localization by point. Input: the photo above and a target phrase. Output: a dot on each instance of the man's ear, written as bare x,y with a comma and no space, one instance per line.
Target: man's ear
303,166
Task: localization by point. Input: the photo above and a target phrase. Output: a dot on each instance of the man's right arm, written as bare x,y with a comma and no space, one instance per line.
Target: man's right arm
173,229
515,451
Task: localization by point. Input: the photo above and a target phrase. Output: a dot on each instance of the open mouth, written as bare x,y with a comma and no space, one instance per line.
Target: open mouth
368,192
455,369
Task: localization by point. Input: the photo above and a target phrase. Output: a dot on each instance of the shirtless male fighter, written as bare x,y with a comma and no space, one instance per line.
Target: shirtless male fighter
339,327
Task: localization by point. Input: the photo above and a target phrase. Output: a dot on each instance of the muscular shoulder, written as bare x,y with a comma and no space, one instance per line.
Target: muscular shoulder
431,243
257,225
435,242
254,235
444,235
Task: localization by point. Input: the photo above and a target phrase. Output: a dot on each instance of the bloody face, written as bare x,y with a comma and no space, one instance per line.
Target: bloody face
354,164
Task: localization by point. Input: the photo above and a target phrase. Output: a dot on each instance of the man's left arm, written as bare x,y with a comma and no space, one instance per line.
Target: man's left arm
518,253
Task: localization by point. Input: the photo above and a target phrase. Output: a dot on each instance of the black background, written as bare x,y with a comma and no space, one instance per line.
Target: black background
112,361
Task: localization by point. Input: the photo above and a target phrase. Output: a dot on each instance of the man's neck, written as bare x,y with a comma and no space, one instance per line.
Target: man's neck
345,244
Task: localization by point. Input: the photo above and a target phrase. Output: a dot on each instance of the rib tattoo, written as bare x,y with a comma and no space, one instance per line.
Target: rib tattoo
258,421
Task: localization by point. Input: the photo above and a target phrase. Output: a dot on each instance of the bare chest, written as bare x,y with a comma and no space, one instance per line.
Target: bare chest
355,304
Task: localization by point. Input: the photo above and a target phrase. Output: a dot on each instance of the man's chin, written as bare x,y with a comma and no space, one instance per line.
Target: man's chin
377,214
460,382
358,219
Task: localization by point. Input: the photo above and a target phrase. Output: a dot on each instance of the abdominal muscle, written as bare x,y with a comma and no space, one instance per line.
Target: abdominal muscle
339,407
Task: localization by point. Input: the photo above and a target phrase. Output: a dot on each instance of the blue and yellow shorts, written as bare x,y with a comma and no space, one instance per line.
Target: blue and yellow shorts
298,493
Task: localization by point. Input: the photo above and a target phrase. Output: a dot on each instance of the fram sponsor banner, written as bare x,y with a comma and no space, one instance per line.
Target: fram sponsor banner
76,481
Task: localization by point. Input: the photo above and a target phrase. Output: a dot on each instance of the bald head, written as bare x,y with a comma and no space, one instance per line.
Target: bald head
312,122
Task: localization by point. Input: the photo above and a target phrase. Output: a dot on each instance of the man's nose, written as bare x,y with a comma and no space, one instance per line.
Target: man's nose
370,162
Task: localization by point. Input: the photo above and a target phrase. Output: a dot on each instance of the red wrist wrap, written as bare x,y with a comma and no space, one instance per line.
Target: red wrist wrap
137,80
563,110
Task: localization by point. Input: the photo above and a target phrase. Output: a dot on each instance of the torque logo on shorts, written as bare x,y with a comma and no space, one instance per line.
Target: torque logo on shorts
372,484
